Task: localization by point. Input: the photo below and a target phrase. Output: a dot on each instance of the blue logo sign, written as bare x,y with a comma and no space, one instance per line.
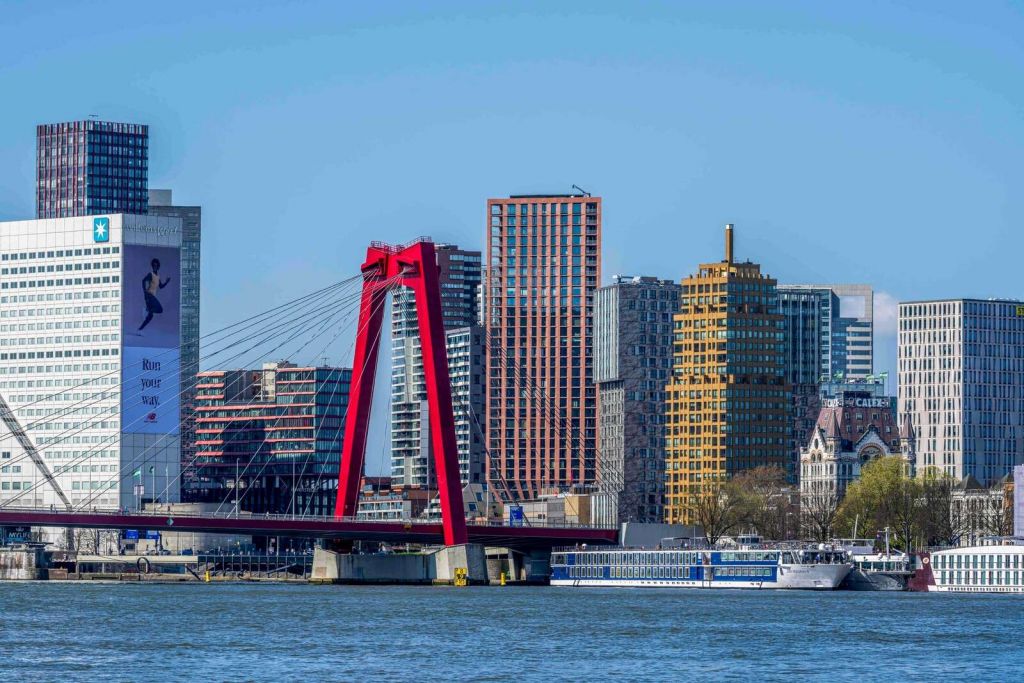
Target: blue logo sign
515,515
101,229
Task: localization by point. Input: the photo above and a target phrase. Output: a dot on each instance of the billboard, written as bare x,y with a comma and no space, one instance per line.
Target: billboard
151,303
151,328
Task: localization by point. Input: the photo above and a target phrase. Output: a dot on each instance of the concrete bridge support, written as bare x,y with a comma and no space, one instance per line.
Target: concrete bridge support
438,567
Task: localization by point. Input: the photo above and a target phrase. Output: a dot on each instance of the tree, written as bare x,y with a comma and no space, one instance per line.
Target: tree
998,515
718,507
818,510
884,496
939,521
768,501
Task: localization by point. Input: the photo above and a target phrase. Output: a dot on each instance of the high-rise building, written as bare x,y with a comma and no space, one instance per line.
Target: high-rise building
808,357
961,382
90,167
831,331
465,347
632,365
411,462
829,336
89,360
543,267
728,399
161,204
270,439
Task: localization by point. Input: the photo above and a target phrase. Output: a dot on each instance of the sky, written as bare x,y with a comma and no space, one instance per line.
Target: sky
866,142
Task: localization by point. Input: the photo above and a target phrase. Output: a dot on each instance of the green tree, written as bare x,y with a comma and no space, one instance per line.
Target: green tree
884,496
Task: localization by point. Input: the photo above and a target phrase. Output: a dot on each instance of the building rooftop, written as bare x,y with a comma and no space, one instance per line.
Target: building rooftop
540,196
990,300
640,279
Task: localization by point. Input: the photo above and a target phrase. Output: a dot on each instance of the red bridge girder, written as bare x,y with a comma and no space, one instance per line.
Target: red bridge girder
335,529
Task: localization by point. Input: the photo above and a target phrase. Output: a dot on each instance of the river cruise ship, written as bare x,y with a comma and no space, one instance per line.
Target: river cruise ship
981,569
807,568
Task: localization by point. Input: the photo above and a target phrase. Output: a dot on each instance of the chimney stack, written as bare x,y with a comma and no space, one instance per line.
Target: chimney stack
728,242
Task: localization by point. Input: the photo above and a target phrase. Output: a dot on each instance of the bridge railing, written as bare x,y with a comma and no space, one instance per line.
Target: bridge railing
232,514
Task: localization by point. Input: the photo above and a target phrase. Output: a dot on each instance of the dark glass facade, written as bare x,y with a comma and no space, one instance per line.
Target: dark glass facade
91,167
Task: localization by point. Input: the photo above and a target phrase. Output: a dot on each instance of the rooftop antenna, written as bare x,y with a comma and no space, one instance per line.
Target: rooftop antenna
94,116
577,187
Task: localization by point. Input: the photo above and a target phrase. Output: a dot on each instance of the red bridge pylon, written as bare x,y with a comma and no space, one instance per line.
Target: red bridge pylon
388,267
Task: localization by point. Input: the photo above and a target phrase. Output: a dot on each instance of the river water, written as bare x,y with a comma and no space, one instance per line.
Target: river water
237,632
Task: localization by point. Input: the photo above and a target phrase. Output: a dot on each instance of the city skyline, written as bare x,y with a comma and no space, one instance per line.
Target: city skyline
848,168
383,309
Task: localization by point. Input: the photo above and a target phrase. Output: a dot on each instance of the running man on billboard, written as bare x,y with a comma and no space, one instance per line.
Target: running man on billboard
151,286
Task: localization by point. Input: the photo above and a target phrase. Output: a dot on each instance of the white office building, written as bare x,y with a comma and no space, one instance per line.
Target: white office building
89,361
961,382
411,461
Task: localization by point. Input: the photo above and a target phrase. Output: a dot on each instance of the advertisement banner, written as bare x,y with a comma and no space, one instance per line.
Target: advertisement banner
151,321
149,392
151,312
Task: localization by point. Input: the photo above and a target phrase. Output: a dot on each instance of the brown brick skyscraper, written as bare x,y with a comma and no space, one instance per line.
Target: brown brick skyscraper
543,267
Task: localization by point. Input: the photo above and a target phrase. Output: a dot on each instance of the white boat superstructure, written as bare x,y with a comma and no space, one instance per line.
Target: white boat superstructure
796,568
980,569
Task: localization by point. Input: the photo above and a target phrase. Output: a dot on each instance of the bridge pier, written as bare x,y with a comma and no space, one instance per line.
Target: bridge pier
438,567
468,556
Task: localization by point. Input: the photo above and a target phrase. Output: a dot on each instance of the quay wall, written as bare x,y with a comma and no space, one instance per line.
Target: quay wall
22,563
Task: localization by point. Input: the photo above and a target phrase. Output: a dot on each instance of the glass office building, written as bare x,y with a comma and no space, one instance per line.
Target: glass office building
86,168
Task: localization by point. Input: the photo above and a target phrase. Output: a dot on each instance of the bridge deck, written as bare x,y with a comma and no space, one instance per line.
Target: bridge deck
427,533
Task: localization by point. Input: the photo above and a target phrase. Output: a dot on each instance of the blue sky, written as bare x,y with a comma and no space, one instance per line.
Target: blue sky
848,142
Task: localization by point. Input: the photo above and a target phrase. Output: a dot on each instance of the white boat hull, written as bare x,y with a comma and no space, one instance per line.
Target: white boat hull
791,577
976,589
